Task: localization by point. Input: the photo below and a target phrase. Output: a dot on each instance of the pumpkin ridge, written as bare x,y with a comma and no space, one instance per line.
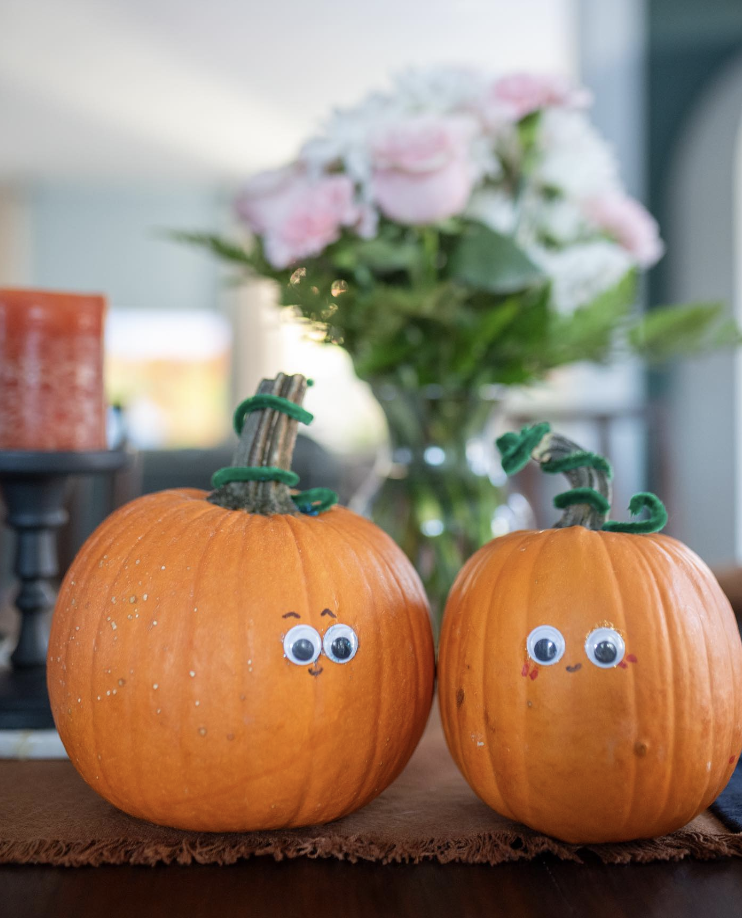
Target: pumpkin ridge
649,580
362,535
134,547
94,544
705,797
456,602
210,546
302,524
709,678
723,777
542,545
617,589
703,624
308,776
90,663
670,616
381,696
366,791
132,722
489,746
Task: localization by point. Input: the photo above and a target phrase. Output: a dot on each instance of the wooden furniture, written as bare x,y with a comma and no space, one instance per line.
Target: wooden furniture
262,888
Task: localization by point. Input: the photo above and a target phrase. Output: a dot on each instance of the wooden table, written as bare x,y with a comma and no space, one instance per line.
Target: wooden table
544,888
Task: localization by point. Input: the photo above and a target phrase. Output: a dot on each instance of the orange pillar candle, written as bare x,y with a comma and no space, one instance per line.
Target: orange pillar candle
51,371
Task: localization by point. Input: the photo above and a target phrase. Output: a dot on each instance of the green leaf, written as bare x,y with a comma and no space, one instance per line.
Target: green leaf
485,332
378,361
222,248
692,328
490,261
382,256
587,334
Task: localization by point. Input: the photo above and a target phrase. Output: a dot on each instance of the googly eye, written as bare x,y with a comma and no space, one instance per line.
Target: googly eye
545,645
340,643
605,647
302,645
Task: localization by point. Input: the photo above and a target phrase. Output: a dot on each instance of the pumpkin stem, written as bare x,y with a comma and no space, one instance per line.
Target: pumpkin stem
267,440
589,476
588,503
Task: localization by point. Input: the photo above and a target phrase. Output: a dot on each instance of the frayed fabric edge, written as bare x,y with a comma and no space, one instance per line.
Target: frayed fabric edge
481,849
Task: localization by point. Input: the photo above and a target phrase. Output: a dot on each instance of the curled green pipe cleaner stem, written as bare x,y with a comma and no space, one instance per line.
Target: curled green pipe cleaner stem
266,400
581,496
515,449
253,473
656,520
315,500
578,460
588,502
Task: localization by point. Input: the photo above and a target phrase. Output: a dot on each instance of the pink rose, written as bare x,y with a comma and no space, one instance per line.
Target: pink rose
421,168
629,223
297,217
513,97
266,198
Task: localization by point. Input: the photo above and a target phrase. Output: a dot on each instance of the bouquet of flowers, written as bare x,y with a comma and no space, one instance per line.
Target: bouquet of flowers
457,232
462,230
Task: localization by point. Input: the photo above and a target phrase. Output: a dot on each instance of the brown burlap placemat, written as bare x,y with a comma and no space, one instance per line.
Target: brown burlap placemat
48,815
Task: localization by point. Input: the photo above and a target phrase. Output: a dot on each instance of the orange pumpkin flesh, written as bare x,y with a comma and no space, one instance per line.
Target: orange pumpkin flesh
579,752
167,674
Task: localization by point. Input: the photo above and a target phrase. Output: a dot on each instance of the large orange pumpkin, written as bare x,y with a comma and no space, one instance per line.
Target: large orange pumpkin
237,669
590,681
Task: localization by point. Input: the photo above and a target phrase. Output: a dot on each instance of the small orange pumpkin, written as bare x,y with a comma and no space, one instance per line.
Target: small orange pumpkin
590,681
224,662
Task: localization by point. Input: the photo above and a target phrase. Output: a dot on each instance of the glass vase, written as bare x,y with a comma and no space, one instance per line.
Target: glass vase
442,493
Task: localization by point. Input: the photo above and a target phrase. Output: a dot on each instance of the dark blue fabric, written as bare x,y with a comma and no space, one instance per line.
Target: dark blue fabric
728,806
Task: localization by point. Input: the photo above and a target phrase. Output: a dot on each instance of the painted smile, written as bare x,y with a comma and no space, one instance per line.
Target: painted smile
314,670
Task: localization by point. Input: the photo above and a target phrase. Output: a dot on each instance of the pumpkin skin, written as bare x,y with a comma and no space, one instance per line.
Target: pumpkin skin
168,680
587,754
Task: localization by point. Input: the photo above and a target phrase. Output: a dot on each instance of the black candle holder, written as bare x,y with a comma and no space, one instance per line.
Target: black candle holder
33,485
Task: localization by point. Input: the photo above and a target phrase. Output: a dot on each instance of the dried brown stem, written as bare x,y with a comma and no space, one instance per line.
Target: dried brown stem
268,438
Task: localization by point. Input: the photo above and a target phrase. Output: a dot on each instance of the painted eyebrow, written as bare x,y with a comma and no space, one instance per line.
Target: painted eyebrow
291,615
327,612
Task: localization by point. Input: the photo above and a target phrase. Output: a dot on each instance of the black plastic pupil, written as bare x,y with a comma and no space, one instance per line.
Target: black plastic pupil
544,650
605,652
342,648
302,649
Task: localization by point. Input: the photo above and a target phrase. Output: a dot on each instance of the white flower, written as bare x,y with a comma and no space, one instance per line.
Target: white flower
442,90
562,220
494,208
484,161
581,272
345,139
574,157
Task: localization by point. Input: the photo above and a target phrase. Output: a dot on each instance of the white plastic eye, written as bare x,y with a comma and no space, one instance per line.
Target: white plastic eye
545,645
605,647
302,645
340,643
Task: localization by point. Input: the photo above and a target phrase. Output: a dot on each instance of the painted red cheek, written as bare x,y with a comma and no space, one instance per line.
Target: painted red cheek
524,671
731,759
631,658
623,665
534,673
